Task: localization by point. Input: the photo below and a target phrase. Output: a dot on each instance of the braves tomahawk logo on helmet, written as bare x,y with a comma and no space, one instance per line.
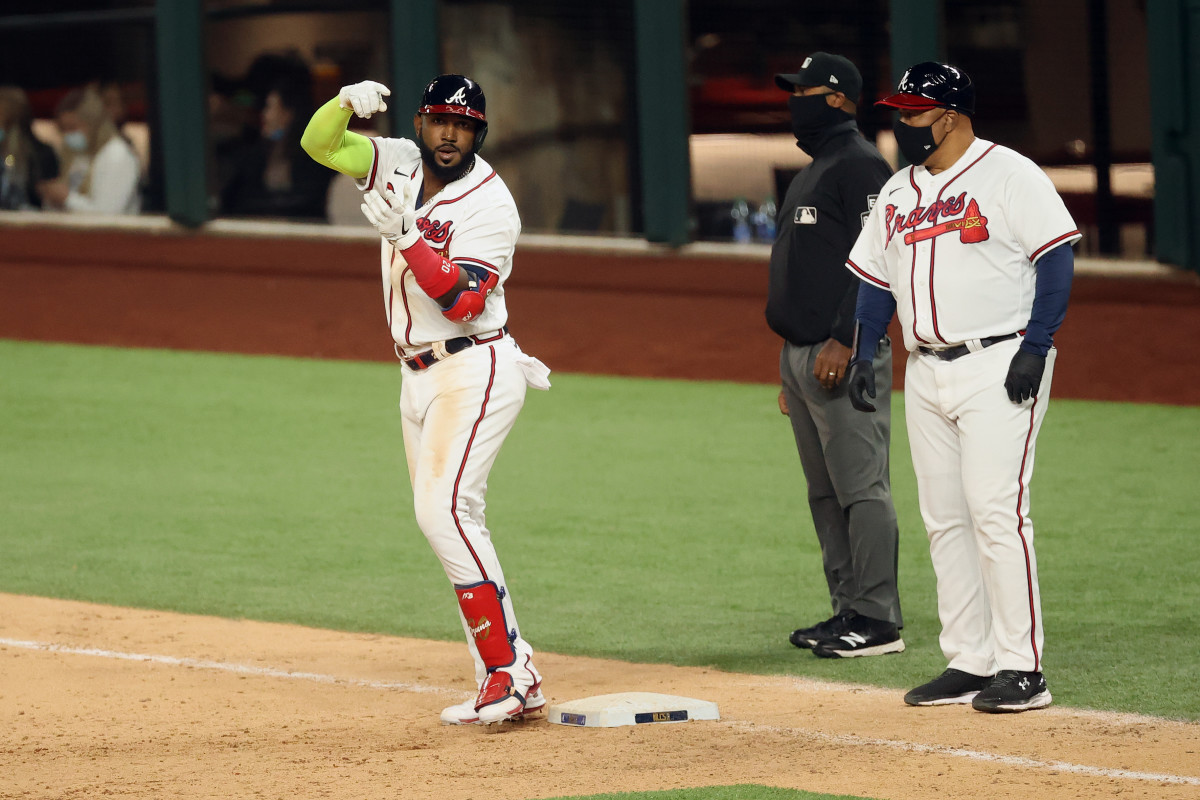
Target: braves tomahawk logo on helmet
932,85
457,94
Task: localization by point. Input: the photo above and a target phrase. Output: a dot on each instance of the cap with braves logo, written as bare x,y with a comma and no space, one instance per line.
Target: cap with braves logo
823,69
931,85
459,95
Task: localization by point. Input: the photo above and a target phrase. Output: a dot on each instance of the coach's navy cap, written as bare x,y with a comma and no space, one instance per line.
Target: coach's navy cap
823,69
932,85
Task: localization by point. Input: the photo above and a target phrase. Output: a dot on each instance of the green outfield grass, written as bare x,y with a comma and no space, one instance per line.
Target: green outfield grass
645,520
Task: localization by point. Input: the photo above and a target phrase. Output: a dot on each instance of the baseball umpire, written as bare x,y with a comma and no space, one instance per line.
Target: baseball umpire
810,304
449,228
971,246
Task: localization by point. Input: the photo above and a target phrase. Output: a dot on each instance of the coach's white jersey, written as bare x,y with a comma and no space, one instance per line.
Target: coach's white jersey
473,221
959,247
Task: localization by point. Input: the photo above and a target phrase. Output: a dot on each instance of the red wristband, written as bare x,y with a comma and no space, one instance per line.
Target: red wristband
435,275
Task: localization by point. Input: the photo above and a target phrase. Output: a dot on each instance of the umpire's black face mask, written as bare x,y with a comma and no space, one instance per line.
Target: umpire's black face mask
916,143
812,117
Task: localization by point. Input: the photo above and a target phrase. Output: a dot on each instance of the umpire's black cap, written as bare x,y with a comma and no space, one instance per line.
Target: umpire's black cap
932,85
823,69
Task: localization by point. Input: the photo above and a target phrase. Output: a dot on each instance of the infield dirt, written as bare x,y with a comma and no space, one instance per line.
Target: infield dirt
98,701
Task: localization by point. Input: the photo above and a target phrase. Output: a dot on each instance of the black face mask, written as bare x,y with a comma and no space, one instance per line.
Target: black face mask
812,118
916,144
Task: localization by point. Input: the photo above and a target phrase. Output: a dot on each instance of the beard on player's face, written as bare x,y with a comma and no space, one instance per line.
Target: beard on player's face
444,172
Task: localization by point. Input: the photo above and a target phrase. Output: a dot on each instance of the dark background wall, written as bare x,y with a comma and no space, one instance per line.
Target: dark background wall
619,314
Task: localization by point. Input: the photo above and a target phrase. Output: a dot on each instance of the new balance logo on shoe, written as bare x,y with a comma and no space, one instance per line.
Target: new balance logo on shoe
807,638
862,636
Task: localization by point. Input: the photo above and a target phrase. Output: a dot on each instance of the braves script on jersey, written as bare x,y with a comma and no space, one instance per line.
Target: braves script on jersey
472,222
958,247
957,250
457,413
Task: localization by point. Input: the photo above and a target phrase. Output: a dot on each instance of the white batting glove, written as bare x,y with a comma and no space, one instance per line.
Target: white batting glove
392,215
366,98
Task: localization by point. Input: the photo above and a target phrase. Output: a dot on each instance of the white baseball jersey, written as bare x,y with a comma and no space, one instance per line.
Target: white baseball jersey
959,247
472,222
957,251
467,402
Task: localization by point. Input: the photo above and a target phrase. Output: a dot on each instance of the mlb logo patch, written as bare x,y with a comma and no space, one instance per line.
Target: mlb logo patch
806,215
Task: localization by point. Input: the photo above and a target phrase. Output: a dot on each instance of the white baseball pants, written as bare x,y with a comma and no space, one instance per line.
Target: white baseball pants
456,415
973,452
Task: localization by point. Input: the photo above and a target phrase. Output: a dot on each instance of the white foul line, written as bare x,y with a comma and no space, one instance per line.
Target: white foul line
240,669
976,755
842,739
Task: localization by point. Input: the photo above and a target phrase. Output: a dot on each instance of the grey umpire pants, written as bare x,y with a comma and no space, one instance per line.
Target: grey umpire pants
845,457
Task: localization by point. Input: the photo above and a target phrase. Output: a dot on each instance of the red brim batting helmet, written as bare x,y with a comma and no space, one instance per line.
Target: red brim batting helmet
932,85
457,94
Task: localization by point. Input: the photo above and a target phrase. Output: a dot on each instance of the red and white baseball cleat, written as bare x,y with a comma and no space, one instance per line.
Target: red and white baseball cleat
465,714
506,693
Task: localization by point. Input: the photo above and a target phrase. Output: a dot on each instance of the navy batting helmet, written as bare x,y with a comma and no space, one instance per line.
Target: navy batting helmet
932,85
457,94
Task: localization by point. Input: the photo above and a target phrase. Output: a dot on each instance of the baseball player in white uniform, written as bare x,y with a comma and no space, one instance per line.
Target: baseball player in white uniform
971,246
449,227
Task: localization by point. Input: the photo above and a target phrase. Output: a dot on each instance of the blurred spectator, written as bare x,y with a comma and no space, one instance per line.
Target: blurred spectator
273,176
269,71
101,170
25,160
232,113
114,101
233,123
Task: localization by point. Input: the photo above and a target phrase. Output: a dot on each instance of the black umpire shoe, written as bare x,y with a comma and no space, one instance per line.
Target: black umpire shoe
951,687
1013,690
805,638
863,636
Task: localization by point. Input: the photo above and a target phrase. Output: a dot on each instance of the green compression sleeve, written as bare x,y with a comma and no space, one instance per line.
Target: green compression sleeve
329,143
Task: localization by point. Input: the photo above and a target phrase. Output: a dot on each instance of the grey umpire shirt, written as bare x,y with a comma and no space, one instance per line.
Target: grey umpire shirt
811,294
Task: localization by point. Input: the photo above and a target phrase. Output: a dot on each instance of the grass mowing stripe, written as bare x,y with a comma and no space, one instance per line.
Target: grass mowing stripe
658,521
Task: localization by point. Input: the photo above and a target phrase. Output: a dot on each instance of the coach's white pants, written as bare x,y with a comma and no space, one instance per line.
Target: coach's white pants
973,452
456,415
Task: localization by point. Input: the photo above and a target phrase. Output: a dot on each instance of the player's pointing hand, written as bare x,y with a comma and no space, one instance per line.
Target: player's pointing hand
392,216
365,98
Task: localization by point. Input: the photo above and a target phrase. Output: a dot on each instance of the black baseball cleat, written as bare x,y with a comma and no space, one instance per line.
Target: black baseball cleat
951,687
805,638
1013,690
862,636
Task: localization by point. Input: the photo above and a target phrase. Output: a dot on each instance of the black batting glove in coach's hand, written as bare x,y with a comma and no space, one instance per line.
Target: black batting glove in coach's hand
859,381
1024,376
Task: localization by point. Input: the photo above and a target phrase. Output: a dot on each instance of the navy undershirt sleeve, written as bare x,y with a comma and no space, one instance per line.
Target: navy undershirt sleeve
1054,272
873,311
